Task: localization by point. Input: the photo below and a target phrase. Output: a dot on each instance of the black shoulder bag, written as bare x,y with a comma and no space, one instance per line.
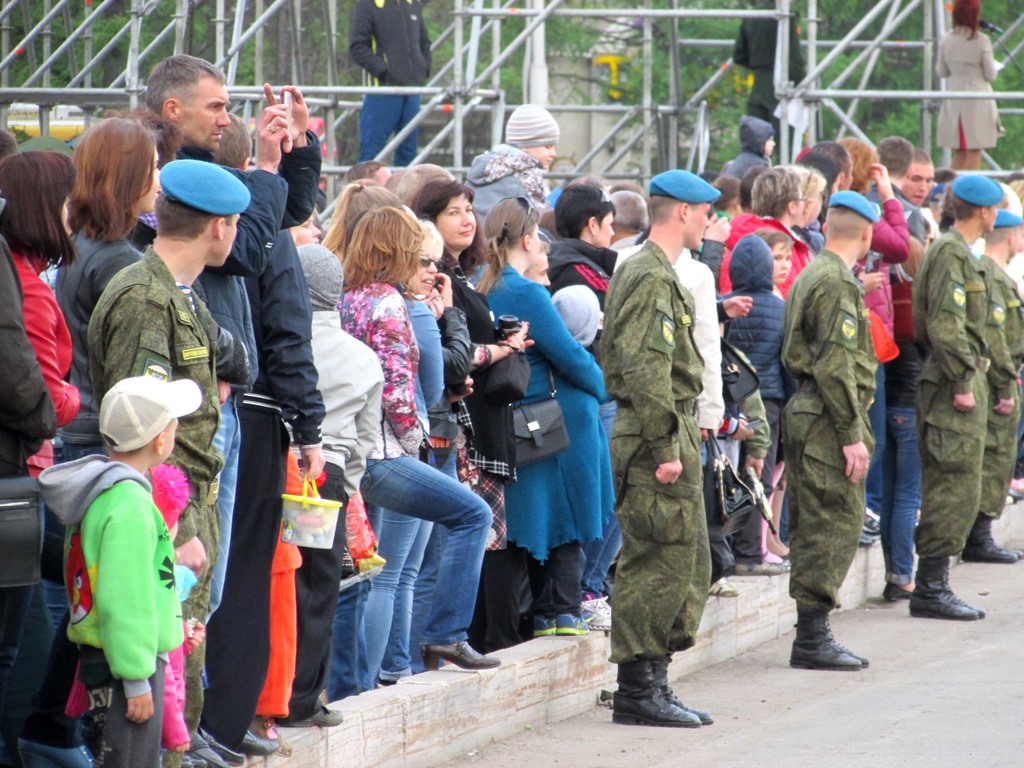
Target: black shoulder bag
540,429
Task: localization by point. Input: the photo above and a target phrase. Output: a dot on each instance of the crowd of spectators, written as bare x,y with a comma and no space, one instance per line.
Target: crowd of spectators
384,359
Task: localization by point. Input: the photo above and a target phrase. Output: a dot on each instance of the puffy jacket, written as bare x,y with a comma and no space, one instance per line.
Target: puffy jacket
890,238
754,133
746,224
388,38
759,334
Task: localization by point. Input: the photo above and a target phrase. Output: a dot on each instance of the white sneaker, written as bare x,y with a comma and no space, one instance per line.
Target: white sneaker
597,613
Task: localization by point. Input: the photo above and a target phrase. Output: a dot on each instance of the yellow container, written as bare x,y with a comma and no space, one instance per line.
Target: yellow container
308,520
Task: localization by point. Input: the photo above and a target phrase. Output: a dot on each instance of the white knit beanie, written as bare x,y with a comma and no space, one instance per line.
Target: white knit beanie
531,126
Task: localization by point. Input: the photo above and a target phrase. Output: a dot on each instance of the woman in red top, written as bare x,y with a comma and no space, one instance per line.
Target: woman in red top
36,186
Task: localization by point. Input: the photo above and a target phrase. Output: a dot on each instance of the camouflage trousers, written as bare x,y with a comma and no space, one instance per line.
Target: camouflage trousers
660,587
197,606
826,510
1000,457
952,446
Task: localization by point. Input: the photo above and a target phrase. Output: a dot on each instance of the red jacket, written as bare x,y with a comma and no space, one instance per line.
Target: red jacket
747,224
49,336
890,237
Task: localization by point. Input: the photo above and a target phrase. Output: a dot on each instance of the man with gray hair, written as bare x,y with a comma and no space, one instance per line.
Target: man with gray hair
631,218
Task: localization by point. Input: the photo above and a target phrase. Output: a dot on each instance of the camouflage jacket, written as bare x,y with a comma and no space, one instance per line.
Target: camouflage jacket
1004,333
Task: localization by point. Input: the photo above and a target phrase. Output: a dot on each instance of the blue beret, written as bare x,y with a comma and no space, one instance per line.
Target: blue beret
856,202
978,190
204,186
683,186
1006,220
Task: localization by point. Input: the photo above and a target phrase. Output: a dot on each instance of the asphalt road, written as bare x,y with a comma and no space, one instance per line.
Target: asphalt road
937,694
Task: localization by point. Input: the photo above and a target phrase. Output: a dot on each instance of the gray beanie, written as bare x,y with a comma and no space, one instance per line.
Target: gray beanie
323,275
580,311
531,126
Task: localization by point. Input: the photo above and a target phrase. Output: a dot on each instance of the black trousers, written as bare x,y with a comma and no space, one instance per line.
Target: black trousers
556,582
316,596
746,542
238,636
496,620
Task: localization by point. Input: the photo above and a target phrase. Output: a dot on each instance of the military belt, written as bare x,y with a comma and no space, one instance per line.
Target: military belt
204,493
810,386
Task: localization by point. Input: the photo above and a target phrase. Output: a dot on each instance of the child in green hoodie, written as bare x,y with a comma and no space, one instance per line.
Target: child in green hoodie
119,565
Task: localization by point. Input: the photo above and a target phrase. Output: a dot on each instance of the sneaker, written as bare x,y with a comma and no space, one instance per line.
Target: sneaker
760,569
723,588
543,626
596,604
596,621
569,624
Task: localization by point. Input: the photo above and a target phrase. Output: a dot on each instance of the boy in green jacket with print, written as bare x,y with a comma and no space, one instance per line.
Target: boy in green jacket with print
119,565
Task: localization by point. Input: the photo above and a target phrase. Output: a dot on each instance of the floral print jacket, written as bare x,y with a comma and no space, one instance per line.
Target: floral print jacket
377,315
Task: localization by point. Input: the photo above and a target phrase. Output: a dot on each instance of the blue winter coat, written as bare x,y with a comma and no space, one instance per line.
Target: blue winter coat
759,334
569,496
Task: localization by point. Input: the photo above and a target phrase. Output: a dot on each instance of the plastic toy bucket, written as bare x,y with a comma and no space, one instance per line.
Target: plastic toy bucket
308,520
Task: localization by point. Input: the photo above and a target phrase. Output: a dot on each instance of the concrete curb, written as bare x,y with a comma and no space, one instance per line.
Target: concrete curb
429,718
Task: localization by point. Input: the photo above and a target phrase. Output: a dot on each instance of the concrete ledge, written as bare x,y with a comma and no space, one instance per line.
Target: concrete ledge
428,718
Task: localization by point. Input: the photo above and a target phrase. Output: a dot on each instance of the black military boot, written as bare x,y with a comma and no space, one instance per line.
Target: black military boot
660,670
814,647
638,701
932,597
982,548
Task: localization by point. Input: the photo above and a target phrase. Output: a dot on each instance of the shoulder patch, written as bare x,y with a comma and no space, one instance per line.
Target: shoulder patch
956,298
847,330
663,334
997,315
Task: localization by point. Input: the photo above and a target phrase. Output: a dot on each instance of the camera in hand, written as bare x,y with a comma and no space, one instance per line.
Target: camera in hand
508,325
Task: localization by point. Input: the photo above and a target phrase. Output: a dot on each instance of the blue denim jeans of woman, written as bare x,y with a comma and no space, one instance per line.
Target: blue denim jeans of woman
347,675
426,584
389,608
228,441
877,416
902,495
413,488
599,554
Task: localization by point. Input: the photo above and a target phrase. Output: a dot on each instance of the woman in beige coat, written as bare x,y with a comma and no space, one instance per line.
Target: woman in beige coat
967,126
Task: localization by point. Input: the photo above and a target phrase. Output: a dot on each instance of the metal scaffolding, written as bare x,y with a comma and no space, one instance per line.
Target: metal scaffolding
104,71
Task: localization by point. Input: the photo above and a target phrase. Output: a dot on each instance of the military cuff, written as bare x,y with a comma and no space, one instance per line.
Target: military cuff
187,530
963,386
1005,393
667,454
756,453
851,436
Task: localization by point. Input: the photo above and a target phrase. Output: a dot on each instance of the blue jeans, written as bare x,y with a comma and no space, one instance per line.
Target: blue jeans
411,487
382,117
426,584
388,616
348,647
902,495
228,441
877,417
599,554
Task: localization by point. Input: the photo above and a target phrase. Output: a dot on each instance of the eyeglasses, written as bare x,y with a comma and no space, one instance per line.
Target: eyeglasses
504,237
426,261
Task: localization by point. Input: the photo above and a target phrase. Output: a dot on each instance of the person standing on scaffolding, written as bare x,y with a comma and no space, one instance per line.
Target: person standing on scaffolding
388,39
755,49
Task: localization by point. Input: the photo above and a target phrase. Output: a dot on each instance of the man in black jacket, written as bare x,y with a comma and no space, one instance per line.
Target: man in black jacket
388,38
192,94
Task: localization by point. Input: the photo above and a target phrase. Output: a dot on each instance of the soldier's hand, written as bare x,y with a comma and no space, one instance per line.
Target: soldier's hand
669,472
192,554
755,464
737,306
964,402
1004,407
857,461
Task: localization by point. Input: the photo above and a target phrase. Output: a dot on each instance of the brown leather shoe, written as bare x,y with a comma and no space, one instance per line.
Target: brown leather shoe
461,654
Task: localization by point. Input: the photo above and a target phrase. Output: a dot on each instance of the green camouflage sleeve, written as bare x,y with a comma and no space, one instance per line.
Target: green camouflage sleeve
838,323
1002,373
753,408
947,320
648,338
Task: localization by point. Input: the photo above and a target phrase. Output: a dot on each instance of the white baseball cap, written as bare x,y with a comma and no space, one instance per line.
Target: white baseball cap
136,410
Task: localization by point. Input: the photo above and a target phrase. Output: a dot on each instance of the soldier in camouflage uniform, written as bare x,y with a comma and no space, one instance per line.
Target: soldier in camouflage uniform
148,323
1004,334
652,367
951,303
825,428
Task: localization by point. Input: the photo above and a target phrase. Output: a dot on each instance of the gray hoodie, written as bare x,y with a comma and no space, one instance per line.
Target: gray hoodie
69,489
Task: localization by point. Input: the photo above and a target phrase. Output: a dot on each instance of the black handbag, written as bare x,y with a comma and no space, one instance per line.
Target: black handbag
735,500
21,532
739,379
508,379
540,430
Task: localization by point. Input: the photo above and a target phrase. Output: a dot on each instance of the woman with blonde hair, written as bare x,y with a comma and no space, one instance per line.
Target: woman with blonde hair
381,262
353,200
